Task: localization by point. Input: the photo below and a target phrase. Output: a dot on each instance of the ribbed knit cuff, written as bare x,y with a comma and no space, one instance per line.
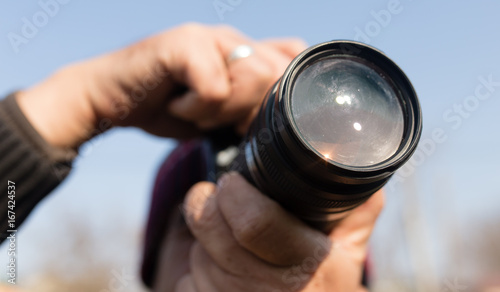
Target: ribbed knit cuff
27,160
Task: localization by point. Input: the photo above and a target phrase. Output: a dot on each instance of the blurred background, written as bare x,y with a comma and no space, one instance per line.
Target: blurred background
440,230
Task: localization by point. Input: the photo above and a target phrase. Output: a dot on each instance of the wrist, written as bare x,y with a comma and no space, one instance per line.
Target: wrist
59,109
116,81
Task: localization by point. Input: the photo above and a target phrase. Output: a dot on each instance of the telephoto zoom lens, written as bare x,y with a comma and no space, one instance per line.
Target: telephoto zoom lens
331,132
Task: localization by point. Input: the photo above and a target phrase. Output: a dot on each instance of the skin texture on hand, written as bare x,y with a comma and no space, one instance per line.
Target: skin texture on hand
237,239
175,84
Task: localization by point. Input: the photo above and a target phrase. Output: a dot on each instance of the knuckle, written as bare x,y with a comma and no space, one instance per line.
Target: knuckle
251,227
207,124
192,27
264,72
298,43
224,28
208,102
211,94
212,98
198,207
271,64
191,34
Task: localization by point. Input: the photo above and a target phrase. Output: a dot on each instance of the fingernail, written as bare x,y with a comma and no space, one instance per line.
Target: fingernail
196,204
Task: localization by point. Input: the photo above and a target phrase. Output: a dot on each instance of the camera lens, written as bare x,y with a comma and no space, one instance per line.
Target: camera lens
331,132
347,112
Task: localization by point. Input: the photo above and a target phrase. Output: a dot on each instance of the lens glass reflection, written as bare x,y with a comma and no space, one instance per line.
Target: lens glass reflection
347,112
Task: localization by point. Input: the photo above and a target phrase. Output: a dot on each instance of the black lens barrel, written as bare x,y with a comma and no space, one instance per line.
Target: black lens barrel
282,166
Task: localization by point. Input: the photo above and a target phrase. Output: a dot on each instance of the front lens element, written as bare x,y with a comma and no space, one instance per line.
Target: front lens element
347,112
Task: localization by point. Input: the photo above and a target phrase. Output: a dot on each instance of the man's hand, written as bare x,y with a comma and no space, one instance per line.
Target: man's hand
240,240
175,84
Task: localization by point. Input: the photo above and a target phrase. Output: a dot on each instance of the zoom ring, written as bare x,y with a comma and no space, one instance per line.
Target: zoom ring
298,189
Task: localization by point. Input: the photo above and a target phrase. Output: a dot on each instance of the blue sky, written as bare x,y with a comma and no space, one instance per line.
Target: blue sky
445,48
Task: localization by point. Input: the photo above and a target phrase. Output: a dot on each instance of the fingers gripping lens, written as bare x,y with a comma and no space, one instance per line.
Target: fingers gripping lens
347,112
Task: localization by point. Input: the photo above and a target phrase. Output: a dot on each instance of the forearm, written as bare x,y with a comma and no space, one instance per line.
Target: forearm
128,87
41,129
28,163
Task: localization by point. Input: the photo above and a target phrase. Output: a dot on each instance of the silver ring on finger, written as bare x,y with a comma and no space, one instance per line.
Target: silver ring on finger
240,52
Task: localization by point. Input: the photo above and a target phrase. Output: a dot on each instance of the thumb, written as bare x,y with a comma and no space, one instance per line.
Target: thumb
356,228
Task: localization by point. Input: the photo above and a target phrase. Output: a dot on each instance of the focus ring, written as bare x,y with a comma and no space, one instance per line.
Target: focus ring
297,189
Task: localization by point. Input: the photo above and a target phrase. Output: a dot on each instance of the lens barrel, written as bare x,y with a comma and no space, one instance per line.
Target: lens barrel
278,158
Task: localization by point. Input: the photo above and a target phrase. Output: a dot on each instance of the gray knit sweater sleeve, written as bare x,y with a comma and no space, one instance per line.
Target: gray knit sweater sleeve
30,168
